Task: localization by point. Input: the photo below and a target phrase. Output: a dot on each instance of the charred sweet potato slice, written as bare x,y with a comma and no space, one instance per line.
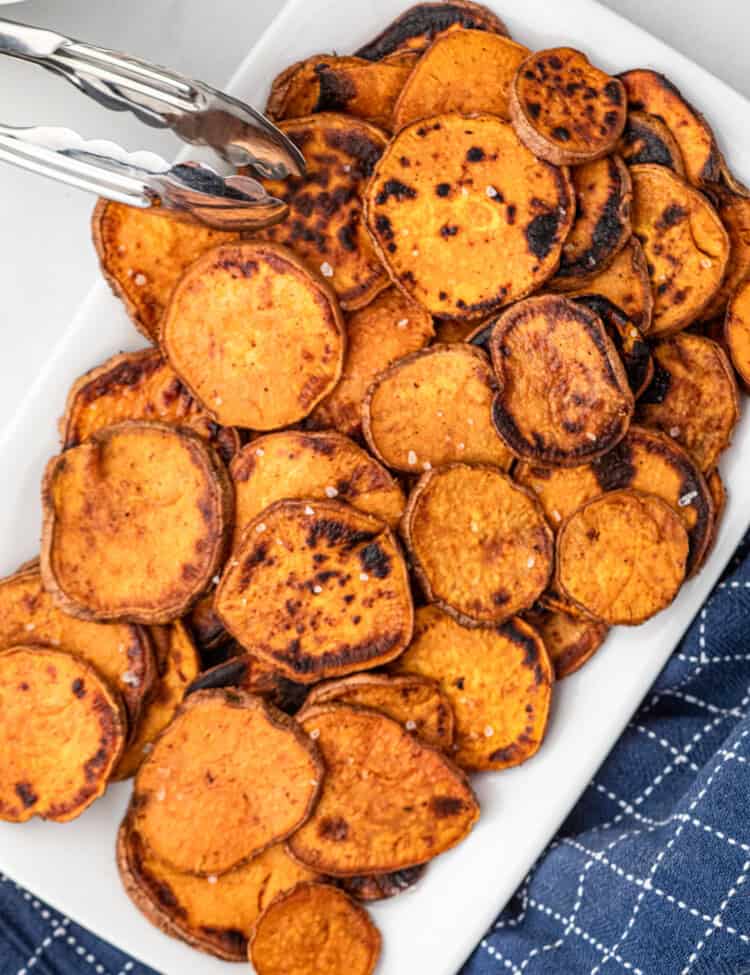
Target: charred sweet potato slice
448,330
312,929
381,886
560,490
204,802
693,396
255,676
387,329
417,703
719,497
136,522
433,408
570,642
388,801
465,217
649,91
325,226
257,338
138,386
734,211
480,544
627,340
737,332
62,731
498,680
142,256
212,914
317,589
565,109
467,71
205,626
685,243
647,139
416,28
564,397
626,284
622,557
293,464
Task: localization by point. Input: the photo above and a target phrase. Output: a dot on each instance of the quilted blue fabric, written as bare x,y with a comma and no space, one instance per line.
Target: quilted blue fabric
649,875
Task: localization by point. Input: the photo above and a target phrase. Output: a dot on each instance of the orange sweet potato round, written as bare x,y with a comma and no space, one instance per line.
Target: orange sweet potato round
734,211
205,626
737,332
381,886
719,497
627,339
570,641
646,139
255,676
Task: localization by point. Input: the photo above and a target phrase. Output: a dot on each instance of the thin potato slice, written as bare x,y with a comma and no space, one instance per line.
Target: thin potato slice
480,544
317,589
62,731
142,256
136,522
570,642
627,340
565,109
388,802
685,243
719,496
448,330
312,929
737,332
498,680
258,339
693,396
464,217
560,490
646,139
622,557
206,627
255,676
626,284
734,211
564,397
381,886
433,408
204,802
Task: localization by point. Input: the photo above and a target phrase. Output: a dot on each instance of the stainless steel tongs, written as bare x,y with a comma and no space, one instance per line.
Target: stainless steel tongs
197,113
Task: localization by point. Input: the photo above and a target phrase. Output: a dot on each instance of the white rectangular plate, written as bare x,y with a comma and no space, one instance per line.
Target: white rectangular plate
436,927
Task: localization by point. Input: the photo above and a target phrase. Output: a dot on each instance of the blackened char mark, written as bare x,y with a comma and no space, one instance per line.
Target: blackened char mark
541,234
425,20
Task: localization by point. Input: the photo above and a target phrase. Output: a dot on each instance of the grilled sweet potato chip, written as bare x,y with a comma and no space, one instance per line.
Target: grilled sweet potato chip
719,497
622,557
312,929
317,589
693,396
205,802
465,218
382,886
734,211
325,226
432,408
62,731
685,243
213,914
626,284
257,338
565,109
418,704
651,92
205,626
646,139
293,464
627,340
498,680
480,544
138,386
136,522
251,674
737,332
564,397
388,801
465,71
143,255
569,641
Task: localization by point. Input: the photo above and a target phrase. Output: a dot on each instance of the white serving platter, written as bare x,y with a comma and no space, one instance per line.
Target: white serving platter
434,928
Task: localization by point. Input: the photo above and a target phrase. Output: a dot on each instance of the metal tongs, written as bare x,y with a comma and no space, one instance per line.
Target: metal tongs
197,113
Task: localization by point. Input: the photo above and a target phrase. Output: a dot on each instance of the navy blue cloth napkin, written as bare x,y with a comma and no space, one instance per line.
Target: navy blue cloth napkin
650,874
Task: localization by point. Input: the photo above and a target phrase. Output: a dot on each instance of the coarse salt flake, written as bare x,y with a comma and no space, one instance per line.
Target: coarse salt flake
309,510
326,270
212,879
216,579
411,725
687,499
363,576
707,263
556,515
591,437
531,562
474,526
464,191
131,679
317,589
411,457
30,627
491,192
461,445
218,400
259,451
261,527
403,322
140,279
427,466
674,431
161,794
489,731
315,733
331,491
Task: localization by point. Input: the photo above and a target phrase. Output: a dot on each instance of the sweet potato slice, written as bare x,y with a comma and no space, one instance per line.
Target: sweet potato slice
719,496
317,589
205,626
448,330
381,886
465,71
325,226
627,340
564,397
387,329
480,544
142,256
293,464
417,703
416,28
685,243
560,490
255,676
433,408
120,652
257,338
649,91
62,731
388,801
646,139
138,386
498,679
136,522
204,802
465,218
734,211
622,557
312,929
570,642
565,109
693,396
626,284
212,914
737,332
